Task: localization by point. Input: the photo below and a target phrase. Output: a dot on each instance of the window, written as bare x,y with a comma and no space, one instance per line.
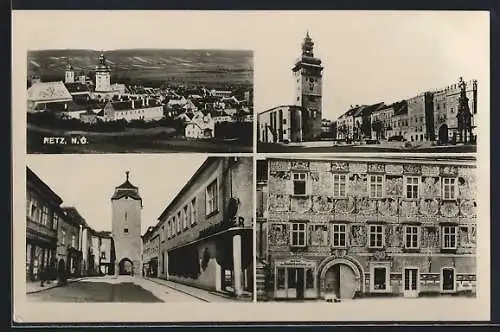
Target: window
411,187
449,188
449,237
125,230
411,237
339,235
299,183
45,215
103,255
211,198
280,278
193,211
162,234
339,185
376,182
376,236
55,221
73,240
174,226
179,220
35,212
63,235
298,235
185,216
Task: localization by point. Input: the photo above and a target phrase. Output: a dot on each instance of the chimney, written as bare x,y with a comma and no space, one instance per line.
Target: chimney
133,103
147,101
143,102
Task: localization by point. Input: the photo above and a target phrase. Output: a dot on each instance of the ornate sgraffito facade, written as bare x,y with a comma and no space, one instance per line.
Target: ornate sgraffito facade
359,226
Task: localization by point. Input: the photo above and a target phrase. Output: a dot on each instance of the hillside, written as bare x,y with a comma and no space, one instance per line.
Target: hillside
233,67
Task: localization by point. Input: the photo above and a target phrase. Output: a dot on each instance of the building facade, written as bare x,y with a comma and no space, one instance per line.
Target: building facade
150,252
69,249
206,232
106,254
282,124
369,226
43,215
126,228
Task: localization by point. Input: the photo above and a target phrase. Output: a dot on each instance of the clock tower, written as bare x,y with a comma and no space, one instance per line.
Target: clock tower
102,75
308,79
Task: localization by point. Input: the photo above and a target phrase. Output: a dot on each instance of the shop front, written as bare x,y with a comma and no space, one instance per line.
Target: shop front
40,254
295,278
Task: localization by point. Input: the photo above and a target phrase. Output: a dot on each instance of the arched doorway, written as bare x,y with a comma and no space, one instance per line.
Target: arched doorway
443,134
126,267
342,277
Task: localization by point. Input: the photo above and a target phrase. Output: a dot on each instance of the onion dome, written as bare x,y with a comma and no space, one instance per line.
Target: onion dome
126,189
102,66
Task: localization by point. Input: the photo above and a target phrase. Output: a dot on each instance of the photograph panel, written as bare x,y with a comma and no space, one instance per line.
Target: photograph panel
352,82
123,235
362,231
139,100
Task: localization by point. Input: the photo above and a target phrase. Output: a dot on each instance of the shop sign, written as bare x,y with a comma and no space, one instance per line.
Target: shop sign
295,262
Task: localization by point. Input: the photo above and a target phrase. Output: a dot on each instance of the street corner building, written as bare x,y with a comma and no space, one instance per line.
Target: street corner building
204,237
59,242
357,227
302,121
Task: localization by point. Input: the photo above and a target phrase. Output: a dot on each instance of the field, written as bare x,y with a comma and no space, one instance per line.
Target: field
151,66
152,140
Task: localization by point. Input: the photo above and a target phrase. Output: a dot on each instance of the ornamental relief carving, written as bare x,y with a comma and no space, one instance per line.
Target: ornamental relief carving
280,175
394,186
318,235
358,184
411,169
394,236
358,168
322,204
322,184
275,165
388,207
449,209
467,236
430,237
467,171
320,166
408,208
467,186
301,204
314,176
430,170
391,169
431,187
429,207
449,170
344,206
366,206
279,203
358,236
300,165
376,168
339,167
278,234
468,208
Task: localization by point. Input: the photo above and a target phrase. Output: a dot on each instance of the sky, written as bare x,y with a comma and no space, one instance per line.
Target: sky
369,56
87,182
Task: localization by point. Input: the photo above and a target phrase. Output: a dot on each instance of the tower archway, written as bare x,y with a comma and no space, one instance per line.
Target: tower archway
126,267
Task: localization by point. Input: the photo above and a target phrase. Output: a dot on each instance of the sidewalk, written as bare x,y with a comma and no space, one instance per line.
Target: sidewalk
201,294
35,287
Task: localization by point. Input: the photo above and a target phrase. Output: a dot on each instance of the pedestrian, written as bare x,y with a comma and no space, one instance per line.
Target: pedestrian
43,276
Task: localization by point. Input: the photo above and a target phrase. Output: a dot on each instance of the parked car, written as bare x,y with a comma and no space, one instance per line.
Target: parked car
372,141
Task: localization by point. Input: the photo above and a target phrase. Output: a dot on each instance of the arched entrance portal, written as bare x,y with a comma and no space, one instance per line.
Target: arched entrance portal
443,134
342,277
126,267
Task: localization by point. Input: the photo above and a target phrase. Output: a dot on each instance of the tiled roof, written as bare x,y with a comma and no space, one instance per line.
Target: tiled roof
61,106
400,107
48,91
76,87
73,213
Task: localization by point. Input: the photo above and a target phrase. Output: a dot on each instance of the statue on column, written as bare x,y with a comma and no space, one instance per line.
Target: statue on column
464,115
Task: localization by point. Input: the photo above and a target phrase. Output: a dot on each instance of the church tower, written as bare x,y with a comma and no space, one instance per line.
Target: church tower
102,75
308,77
69,76
126,228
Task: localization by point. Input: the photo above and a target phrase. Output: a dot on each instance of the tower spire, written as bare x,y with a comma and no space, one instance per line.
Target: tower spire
127,174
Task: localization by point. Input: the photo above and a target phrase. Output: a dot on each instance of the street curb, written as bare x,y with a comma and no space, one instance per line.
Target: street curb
57,285
177,289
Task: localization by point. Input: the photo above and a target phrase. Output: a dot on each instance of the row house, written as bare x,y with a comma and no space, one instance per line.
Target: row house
381,122
69,249
368,226
43,215
150,252
206,232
